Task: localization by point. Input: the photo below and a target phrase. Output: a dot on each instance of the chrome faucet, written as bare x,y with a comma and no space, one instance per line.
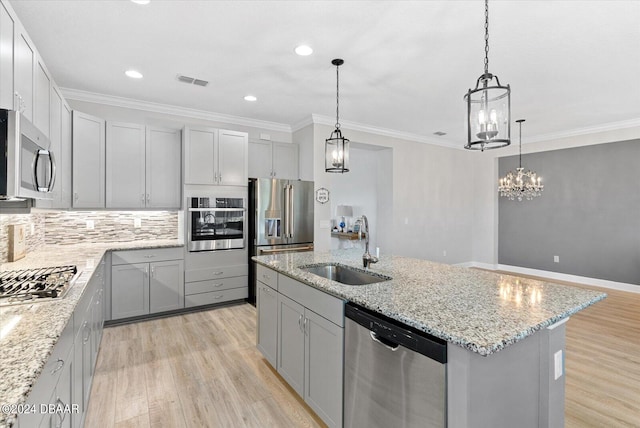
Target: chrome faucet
367,258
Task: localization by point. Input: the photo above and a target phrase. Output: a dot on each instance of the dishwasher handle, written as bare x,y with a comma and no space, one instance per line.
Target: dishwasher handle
384,342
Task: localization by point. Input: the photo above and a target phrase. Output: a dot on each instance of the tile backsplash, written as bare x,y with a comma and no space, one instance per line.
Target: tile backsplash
70,227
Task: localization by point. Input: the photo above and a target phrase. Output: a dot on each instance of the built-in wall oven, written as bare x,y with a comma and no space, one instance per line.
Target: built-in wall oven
216,223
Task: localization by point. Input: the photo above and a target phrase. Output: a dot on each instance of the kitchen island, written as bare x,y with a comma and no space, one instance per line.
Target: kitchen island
504,334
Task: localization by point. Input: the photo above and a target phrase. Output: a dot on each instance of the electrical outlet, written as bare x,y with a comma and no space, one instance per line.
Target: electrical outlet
558,365
556,259
137,222
90,225
33,229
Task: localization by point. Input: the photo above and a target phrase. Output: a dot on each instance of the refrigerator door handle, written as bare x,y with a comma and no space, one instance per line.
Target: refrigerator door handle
286,210
291,213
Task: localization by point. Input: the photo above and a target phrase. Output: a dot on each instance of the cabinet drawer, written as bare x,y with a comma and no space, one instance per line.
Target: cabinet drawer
145,256
53,368
215,297
267,276
318,301
214,285
214,273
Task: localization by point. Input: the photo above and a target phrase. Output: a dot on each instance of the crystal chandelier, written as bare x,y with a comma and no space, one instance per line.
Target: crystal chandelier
520,184
488,106
336,148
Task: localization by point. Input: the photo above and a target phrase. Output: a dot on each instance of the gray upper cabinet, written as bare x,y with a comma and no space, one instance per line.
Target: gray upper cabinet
125,165
88,161
163,168
142,166
24,61
215,156
7,27
42,98
270,159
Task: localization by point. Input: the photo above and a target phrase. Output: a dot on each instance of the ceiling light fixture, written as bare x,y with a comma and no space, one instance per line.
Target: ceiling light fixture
133,74
250,98
520,184
303,50
336,148
488,106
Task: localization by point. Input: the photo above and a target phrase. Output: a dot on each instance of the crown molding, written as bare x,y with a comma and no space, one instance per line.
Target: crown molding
303,123
605,127
92,97
361,127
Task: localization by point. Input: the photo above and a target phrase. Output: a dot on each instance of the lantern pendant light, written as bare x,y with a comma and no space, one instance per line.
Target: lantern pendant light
488,106
336,148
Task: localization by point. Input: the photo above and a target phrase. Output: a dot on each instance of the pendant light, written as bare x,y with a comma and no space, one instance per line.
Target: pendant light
488,106
336,148
520,184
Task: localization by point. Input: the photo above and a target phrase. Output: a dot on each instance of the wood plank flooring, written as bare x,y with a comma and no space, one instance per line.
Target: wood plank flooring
203,370
195,370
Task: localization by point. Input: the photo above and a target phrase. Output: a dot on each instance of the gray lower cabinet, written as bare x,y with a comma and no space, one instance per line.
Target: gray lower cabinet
142,288
213,277
308,338
267,331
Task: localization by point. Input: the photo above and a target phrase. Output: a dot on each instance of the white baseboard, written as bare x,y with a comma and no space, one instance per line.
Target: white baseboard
556,275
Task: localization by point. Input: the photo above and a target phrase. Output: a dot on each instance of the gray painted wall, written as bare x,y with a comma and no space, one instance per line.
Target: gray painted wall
588,214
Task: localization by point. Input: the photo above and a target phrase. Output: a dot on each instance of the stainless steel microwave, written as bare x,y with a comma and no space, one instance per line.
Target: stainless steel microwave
27,166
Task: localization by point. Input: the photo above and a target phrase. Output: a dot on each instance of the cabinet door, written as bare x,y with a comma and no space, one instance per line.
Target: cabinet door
232,158
55,137
129,290
125,165
88,161
163,168
260,159
63,174
24,57
166,290
63,395
42,98
267,331
291,343
98,322
199,155
323,368
285,161
78,380
7,26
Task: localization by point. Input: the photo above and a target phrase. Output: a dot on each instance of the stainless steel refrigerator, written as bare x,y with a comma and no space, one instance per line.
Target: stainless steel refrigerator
280,219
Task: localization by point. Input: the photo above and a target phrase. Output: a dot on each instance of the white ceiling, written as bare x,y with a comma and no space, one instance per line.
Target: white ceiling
572,65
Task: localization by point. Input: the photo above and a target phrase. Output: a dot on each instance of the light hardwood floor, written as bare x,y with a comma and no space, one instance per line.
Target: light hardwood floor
203,370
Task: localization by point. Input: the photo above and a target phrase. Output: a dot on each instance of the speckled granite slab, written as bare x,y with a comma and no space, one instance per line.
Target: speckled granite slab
25,347
481,311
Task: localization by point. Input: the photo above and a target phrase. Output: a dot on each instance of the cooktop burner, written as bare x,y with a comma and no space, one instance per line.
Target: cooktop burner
35,285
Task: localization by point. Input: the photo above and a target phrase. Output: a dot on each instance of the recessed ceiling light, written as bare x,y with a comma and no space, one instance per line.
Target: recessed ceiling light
304,50
141,1
133,74
250,98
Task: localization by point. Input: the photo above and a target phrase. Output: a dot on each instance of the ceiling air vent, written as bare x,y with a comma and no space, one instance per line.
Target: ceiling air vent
439,133
192,81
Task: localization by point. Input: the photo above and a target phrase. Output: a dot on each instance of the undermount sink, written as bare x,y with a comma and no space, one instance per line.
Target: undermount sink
344,274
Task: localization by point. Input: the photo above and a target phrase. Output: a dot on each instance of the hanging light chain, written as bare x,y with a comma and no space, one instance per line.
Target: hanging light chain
337,96
486,37
520,158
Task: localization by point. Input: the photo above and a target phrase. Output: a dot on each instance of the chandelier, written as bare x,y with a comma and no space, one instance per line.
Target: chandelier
488,106
520,184
336,148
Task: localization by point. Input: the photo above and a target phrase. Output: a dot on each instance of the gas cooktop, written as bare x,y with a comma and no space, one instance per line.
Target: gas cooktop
35,285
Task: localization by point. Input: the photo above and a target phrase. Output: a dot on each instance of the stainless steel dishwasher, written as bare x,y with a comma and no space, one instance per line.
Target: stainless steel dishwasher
394,375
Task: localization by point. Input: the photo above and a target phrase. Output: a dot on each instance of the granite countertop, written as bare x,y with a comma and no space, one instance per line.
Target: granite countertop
481,311
29,332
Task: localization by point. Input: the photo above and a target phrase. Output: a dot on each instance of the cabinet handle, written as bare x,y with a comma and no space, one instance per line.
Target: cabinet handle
220,178
146,271
217,273
142,198
306,329
62,415
218,285
149,256
148,198
274,173
75,197
153,272
219,297
300,323
266,290
86,339
267,277
59,366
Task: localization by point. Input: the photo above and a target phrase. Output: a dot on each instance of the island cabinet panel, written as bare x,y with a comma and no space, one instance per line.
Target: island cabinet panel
291,343
267,331
309,345
324,348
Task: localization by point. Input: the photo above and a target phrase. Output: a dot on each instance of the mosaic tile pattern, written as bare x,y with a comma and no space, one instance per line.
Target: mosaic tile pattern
34,240
480,311
25,349
70,227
